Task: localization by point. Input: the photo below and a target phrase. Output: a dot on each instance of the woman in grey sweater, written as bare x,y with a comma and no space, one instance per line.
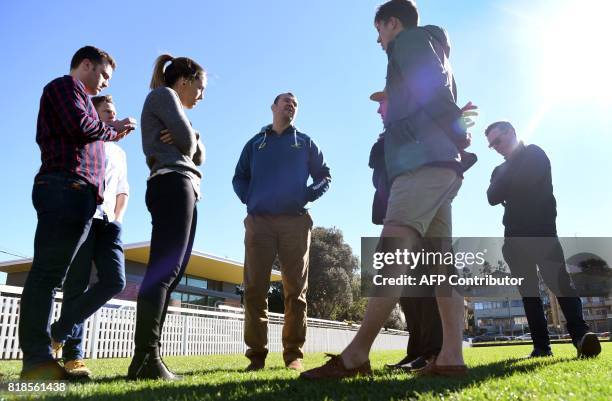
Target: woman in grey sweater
173,151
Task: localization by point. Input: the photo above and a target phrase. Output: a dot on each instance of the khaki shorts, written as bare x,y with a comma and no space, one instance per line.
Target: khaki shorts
422,200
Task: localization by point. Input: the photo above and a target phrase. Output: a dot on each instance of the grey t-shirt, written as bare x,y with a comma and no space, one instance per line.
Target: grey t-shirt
163,110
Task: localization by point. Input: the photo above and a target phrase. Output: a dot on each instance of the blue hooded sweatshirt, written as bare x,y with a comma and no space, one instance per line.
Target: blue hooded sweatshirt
272,173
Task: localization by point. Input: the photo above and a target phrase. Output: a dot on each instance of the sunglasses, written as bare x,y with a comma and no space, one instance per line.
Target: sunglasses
497,140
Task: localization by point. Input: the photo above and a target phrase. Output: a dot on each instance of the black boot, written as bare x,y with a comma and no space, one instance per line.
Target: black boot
149,365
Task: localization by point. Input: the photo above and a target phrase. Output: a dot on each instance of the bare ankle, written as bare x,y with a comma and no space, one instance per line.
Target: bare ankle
352,359
449,359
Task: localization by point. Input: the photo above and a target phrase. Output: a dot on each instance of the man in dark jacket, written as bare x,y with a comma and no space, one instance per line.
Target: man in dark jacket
523,185
421,313
271,179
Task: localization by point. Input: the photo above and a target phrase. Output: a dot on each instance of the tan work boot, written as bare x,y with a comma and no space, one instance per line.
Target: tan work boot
77,368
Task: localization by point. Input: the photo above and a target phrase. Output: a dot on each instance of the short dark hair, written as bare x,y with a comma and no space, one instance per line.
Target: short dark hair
98,100
93,54
283,94
502,125
404,10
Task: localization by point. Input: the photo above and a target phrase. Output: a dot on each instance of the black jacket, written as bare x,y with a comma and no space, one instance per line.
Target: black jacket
523,185
379,180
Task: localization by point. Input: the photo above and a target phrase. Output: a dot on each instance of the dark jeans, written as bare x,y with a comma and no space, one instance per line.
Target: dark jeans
424,325
103,247
64,205
171,201
525,256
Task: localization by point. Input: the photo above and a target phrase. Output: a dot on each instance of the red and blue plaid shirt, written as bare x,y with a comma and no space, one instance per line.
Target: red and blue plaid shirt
70,134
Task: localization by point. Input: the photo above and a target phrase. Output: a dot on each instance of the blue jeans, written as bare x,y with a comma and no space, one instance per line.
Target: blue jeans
103,247
65,204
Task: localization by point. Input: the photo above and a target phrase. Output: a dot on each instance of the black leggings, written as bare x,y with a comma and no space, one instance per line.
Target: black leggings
171,201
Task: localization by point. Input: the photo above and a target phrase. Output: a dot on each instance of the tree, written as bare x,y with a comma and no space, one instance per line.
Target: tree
330,275
501,267
595,266
354,313
486,268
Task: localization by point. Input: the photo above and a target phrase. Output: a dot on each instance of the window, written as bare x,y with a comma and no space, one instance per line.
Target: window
215,285
197,282
520,320
197,299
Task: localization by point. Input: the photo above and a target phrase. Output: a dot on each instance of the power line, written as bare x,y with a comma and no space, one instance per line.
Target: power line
14,254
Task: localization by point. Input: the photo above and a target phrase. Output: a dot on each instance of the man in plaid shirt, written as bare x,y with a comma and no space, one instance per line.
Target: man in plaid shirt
66,192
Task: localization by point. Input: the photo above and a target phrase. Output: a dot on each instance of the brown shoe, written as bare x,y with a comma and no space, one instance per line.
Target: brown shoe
255,365
433,369
335,369
296,364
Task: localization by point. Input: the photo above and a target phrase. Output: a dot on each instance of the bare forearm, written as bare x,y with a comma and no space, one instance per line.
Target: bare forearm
120,206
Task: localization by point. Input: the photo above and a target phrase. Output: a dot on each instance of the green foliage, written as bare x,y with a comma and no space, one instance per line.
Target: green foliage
354,313
330,274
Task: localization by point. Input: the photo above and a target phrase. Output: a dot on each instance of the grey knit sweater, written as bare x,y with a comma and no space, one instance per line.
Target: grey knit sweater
163,110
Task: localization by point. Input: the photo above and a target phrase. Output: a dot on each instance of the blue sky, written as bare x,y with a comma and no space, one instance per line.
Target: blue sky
541,66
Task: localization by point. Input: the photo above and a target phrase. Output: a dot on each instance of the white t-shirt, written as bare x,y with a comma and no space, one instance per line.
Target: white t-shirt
115,180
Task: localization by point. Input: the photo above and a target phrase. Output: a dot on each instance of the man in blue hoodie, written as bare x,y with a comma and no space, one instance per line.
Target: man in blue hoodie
271,179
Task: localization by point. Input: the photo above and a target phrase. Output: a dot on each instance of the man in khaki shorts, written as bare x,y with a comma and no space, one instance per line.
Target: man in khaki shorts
423,140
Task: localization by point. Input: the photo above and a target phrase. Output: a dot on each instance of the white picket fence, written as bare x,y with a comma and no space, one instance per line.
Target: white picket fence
109,332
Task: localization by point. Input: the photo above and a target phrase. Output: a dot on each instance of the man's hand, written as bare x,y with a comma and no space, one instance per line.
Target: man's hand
123,127
467,112
466,142
166,137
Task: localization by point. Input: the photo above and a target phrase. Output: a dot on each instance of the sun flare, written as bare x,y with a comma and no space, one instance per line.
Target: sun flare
576,57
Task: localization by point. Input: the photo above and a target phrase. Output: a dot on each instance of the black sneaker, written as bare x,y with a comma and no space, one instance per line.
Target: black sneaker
539,353
49,370
417,364
588,346
407,359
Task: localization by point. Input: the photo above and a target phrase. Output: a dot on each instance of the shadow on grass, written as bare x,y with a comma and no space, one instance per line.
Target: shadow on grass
383,385
238,371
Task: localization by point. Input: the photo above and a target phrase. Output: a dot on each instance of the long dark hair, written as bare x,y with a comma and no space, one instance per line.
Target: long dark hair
179,67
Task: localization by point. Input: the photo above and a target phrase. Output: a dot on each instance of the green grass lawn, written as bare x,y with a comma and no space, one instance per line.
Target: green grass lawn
497,373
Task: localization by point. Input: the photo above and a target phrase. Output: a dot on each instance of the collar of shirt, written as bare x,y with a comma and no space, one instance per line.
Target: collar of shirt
398,38
519,149
77,82
289,130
